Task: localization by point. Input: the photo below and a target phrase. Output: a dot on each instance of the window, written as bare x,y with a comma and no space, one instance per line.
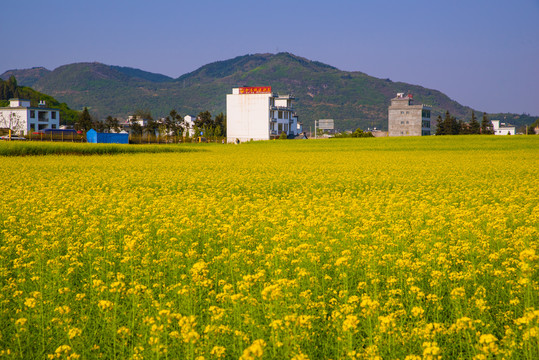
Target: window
280,127
407,122
402,112
53,115
32,114
280,114
402,122
53,126
286,115
407,112
272,114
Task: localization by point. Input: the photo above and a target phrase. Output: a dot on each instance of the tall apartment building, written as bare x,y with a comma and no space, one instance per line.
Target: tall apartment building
406,119
22,118
256,113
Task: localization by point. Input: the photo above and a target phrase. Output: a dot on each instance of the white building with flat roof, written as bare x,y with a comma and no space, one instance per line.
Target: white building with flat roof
502,128
256,113
23,118
189,121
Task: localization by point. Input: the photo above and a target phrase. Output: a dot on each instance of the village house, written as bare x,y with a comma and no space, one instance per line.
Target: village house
22,118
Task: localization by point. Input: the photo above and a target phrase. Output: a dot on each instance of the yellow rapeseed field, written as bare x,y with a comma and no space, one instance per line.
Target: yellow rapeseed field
409,248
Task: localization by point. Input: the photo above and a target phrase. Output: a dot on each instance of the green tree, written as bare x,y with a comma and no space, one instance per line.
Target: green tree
204,120
136,128
151,127
220,121
99,126
475,127
174,123
283,136
112,124
85,121
143,114
440,128
486,126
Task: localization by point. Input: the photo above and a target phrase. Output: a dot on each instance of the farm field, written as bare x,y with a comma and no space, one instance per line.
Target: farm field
383,248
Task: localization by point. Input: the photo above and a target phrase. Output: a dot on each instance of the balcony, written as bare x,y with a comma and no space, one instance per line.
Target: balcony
273,120
282,108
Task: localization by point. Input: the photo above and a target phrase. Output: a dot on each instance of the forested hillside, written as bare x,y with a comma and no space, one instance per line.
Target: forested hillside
353,99
10,89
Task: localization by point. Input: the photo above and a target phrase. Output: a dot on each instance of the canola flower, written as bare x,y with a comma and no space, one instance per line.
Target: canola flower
418,248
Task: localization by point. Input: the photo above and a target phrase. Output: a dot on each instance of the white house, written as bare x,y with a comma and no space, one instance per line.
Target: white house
22,118
256,113
189,121
503,129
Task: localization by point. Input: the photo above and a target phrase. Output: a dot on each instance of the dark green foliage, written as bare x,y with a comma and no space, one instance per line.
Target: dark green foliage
283,136
358,133
486,125
85,121
10,89
474,127
174,123
151,126
112,124
136,128
448,126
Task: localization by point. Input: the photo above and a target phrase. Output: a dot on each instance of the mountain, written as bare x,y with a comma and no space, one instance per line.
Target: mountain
351,98
27,77
10,89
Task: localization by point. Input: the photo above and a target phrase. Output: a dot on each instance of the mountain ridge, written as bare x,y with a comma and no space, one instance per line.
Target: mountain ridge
352,98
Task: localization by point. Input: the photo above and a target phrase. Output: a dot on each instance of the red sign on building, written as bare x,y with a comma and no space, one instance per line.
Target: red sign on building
256,90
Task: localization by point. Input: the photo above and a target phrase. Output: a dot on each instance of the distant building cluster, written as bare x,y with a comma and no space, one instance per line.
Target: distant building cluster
253,113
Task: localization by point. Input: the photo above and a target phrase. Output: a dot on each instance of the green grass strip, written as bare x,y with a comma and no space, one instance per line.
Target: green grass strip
16,148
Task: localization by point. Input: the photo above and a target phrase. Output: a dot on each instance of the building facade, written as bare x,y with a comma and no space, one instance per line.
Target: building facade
406,119
503,128
189,122
256,113
22,118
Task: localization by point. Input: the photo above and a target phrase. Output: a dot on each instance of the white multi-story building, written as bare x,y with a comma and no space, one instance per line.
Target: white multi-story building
22,118
256,113
502,129
189,121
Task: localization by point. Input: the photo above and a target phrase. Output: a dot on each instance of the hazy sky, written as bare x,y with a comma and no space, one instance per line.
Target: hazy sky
482,53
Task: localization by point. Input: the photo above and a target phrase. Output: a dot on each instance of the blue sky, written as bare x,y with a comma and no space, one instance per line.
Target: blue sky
484,54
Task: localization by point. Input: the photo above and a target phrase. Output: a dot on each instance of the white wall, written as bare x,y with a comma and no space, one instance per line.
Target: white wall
24,122
247,116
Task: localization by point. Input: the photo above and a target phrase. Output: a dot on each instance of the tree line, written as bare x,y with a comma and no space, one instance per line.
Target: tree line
173,124
449,125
